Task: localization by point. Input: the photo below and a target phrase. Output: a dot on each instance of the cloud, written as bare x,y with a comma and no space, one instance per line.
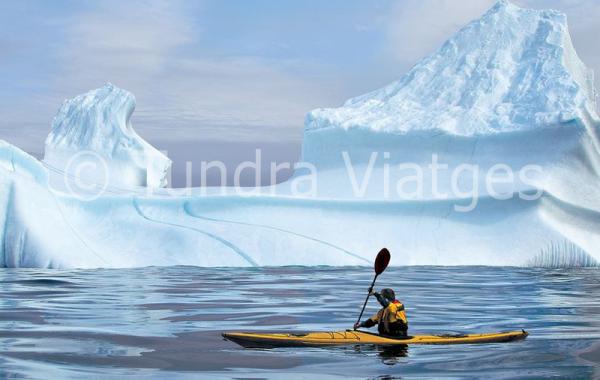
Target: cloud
155,50
120,35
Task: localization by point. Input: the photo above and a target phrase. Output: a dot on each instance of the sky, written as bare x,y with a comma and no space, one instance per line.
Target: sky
226,73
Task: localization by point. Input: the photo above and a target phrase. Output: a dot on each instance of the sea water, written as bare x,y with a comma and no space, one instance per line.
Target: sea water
167,322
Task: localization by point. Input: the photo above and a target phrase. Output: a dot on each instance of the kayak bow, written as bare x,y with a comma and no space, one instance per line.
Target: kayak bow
350,337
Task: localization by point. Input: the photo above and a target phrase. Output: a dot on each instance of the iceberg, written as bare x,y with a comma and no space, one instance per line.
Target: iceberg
95,129
505,98
512,70
507,88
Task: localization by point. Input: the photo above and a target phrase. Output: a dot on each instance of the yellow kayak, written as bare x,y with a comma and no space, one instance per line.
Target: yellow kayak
352,337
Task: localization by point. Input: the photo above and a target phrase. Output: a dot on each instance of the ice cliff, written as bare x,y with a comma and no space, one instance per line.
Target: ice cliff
508,89
96,127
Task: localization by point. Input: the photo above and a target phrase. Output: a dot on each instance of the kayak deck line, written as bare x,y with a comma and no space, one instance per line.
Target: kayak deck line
357,337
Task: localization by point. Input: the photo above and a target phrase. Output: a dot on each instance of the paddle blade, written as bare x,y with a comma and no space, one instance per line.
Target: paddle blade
382,261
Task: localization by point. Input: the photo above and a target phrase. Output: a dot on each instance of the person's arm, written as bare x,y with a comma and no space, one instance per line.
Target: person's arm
369,322
382,301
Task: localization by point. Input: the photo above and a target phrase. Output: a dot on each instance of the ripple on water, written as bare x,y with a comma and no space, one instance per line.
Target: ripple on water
158,321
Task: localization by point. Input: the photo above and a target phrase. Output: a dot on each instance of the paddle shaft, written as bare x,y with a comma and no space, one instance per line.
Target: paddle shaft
367,299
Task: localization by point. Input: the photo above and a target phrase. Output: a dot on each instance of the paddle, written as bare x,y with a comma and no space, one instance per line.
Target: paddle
381,262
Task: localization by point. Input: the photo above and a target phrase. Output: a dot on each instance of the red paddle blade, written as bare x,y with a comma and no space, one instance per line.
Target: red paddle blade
382,261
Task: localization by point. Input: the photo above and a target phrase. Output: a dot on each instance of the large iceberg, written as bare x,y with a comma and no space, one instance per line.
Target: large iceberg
508,88
512,70
95,129
506,95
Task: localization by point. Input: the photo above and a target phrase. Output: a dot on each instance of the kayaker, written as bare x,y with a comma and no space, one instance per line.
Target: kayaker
391,319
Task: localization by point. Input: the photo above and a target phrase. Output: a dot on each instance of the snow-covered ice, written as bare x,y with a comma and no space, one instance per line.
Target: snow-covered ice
511,70
507,89
96,126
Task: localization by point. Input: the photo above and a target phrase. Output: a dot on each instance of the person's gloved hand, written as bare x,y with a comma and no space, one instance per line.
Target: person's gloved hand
356,325
372,293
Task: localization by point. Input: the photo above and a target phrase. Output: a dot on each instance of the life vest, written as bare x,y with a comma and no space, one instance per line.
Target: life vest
394,312
392,319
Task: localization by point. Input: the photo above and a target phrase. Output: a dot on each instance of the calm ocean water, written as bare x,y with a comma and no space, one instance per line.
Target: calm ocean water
166,322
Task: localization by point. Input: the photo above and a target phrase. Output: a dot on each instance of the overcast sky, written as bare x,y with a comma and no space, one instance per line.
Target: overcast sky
243,71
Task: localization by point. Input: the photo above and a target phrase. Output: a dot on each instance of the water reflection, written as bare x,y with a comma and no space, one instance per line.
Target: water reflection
389,355
154,321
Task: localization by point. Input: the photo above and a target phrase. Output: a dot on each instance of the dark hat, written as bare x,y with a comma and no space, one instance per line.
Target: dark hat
388,294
